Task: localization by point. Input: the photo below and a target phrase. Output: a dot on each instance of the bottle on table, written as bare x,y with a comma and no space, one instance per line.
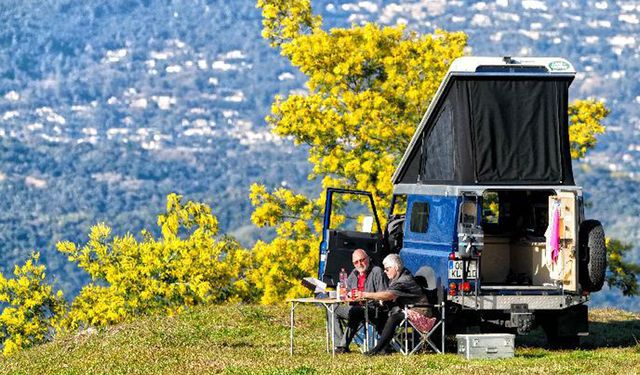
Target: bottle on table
343,284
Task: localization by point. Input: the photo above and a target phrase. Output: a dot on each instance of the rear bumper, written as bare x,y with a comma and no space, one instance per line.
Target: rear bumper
496,302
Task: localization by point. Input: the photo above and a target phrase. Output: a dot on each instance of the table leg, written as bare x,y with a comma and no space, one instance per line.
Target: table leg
366,326
333,330
327,327
292,324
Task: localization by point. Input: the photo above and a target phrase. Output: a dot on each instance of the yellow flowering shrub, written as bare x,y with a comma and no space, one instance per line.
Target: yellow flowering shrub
622,275
286,19
585,122
32,311
368,87
188,265
279,265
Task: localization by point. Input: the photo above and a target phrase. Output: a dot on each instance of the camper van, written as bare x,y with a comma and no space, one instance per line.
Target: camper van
485,208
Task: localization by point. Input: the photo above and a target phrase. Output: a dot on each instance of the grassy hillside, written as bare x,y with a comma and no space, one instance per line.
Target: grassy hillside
101,118
250,339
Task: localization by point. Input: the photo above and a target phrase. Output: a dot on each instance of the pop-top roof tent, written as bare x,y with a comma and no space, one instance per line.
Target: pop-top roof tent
494,121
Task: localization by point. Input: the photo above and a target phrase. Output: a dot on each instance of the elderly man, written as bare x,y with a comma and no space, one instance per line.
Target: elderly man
365,277
403,290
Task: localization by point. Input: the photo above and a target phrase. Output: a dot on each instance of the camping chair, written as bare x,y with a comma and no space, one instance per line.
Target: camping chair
416,330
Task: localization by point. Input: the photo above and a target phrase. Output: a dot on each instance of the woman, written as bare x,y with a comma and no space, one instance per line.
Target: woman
403,290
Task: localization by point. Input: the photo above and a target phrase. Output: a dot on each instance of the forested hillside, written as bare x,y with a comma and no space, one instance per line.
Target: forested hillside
106,107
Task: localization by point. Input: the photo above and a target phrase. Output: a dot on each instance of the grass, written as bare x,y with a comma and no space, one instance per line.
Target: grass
242,339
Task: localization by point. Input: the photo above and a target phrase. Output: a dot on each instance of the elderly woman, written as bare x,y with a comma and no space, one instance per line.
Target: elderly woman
403,290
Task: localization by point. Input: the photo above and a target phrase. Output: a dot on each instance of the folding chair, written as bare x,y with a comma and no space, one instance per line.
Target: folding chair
417,329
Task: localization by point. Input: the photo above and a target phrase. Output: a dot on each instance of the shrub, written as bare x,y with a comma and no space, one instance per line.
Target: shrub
32,312
188,265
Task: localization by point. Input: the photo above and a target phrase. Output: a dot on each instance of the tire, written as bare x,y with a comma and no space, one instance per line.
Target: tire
593,255
393,234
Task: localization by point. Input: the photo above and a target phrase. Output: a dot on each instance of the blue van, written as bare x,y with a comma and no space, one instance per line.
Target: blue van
485,207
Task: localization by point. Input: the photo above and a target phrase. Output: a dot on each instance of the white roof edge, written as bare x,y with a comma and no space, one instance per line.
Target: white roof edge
455,190
469,64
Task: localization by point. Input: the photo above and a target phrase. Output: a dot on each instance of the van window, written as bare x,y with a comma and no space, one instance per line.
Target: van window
468,213
419,217
490,208
437,149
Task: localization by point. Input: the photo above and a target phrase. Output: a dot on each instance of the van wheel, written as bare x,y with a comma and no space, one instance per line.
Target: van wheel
593,255
393,234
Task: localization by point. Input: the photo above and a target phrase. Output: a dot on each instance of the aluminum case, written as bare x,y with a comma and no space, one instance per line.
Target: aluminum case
486,346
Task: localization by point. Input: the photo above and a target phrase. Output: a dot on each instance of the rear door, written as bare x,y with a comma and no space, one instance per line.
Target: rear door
567,270
350,222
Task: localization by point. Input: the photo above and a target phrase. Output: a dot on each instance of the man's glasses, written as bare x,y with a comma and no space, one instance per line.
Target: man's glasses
361,260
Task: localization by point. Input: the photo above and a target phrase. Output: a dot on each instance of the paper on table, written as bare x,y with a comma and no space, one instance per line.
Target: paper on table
314,284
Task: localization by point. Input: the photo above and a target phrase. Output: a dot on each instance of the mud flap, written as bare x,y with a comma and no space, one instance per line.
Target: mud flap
564,328
573,322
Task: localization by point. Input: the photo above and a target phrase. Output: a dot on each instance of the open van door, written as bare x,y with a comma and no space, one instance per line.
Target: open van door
350,222
566,269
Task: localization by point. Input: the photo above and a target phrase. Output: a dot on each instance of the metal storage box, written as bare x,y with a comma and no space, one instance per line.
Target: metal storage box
490,345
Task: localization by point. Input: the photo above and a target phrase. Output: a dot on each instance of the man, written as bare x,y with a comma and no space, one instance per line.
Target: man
367,277
403,290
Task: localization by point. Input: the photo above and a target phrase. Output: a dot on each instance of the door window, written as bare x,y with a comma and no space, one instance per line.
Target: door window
419,217
352,213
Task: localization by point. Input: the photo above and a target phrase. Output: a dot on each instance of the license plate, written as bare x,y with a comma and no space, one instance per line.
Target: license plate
455,269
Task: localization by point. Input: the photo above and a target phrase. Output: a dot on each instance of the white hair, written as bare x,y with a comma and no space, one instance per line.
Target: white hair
393,260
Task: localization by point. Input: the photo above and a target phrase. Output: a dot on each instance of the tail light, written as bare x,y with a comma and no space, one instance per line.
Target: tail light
453,289
466,286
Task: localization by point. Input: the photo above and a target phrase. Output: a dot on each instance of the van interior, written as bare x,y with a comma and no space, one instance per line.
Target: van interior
515,253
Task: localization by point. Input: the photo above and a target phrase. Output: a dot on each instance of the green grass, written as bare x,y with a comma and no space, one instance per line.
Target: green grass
243,339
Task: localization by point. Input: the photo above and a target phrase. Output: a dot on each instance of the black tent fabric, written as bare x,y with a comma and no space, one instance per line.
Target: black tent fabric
492,130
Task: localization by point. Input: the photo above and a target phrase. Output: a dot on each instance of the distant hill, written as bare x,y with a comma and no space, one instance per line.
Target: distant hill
105,107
